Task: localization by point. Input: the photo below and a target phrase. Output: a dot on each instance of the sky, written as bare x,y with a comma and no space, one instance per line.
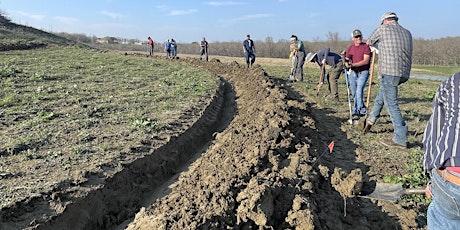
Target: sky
190,20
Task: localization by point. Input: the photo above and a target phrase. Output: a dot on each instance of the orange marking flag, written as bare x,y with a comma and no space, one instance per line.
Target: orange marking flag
331,146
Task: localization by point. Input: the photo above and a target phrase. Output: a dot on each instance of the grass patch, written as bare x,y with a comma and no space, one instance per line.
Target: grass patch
67,108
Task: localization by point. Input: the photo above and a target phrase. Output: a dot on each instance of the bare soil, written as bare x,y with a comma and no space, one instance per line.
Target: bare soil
254,156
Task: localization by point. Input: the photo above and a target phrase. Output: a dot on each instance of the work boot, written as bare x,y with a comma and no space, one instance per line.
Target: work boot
388,142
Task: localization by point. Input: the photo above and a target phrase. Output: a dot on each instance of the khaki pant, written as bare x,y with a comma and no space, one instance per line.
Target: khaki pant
332,78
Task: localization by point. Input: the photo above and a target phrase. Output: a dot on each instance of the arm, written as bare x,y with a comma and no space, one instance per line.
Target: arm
296,46
375,37
440,140
322,54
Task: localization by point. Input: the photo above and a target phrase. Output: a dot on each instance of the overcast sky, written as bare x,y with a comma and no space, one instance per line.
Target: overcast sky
189,20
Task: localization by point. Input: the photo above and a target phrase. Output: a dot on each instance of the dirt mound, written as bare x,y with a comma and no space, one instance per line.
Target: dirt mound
258,157
271,168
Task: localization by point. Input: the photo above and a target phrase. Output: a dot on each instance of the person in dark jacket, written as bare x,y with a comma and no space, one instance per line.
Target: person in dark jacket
249,51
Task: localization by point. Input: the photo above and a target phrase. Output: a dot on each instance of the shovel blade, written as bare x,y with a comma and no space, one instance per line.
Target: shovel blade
386,191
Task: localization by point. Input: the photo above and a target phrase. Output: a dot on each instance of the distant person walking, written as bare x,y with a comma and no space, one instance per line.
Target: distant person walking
150,43
298,54
173,48
326,57
441,158
395,59
357,59
249,51
204,48
168,48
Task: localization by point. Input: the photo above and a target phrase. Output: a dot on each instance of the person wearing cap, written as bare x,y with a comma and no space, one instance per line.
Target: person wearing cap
298,54
357,60
441,158
249,51
395,59
326,57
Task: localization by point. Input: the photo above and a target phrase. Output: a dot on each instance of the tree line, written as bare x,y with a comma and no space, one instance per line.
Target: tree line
442,51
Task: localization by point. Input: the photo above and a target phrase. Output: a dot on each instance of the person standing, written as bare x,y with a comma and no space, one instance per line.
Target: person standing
441,157
204,48
173,48
249,51
150,43
395,59
357,59
168,48
298,55
325,57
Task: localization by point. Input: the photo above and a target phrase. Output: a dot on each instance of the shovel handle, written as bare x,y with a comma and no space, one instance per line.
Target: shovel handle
414,191
370,78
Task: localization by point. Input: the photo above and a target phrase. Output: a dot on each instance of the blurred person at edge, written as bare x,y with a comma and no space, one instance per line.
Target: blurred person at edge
394,43
441,158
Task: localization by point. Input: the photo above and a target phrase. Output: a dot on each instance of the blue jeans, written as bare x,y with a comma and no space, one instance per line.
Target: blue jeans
358,82
388,96
250,58
444,210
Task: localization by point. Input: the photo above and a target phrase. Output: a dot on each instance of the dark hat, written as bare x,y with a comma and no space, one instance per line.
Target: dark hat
356,33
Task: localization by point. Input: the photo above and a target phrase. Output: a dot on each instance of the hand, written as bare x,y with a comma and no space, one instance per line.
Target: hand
347,65
427,191
319,85
323,61
374,49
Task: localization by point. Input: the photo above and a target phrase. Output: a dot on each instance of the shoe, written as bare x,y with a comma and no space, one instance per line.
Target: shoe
390,143
355,117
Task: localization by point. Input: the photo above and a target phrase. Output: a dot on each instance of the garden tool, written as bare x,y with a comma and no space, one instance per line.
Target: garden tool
390,192
321,78
350,121
374,53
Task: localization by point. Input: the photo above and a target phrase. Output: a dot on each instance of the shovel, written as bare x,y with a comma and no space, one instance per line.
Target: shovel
321,78
374,53
390,192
